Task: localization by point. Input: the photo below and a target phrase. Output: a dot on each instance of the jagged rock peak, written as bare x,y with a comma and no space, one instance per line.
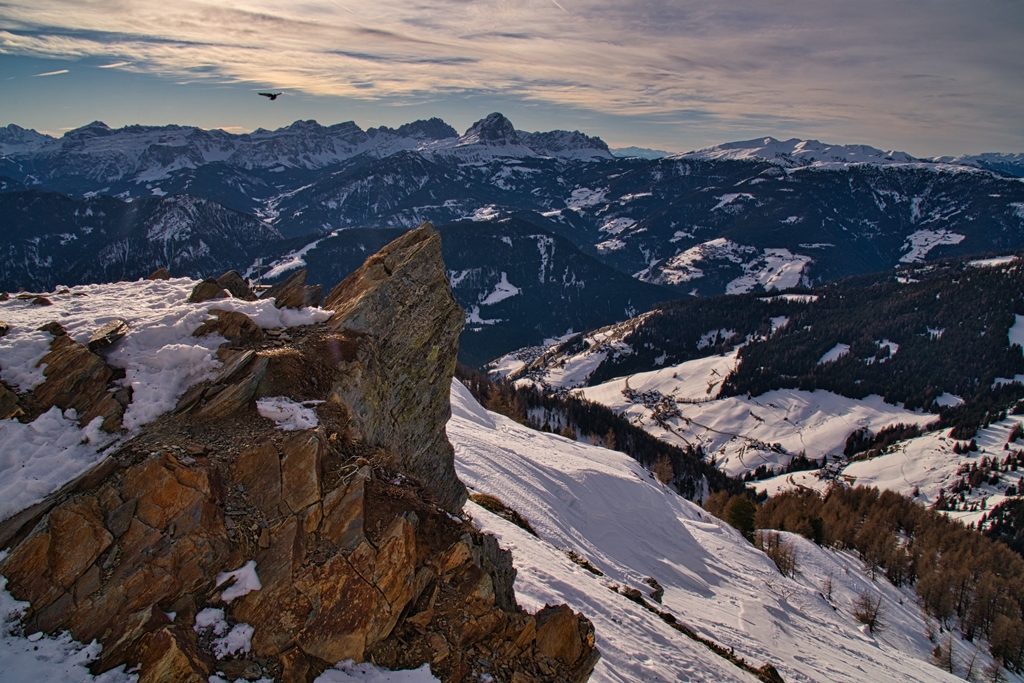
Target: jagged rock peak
404,324
430,129
492,129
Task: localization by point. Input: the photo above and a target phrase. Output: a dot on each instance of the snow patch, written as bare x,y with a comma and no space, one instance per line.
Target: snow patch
246,581
992,262
921,242
503,290
1016,333
727,199
834,354
38,458
947,400
289,415
38,657
777,269
350,672
584,198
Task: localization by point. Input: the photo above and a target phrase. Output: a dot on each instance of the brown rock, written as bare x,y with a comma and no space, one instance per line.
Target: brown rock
395,567
234,368
4,327
301,469
169,657
237,396
234,326
27,569
121,644
9,406
294,666
236,286
77,378
345,607
206,290
164,490
77,538
398,313
120,518
41,301
53,327
107,335
278,611
343,512
558,633
258,470
293,292
159,274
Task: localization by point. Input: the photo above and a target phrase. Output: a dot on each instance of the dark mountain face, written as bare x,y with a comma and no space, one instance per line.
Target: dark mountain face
50,239
518,283
696,224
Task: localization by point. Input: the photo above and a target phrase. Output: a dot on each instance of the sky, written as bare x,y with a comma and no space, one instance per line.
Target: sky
929,77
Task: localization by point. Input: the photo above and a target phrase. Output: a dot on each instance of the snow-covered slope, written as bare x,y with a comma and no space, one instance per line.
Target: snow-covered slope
159,355
603,506
796,153
679,404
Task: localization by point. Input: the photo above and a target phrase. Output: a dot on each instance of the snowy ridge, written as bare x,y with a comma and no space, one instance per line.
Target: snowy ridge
605,507
148,154
795,154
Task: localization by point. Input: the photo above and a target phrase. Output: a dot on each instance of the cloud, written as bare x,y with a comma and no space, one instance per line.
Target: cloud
113,66
730,65
53,73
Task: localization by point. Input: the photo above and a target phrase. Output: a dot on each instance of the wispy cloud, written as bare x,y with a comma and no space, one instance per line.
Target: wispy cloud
114,65
829,68
52,73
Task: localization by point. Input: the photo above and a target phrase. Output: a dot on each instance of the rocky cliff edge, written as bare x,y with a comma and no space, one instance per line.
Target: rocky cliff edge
215,541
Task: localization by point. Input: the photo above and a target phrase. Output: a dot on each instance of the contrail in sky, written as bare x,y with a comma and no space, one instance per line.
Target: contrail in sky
555,2
53,73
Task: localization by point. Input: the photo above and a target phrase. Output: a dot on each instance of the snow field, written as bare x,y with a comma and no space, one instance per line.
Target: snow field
739,431
606,507
159,355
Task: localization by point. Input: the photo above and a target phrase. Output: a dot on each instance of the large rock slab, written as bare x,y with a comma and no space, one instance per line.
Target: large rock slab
293,292
402,325
77,378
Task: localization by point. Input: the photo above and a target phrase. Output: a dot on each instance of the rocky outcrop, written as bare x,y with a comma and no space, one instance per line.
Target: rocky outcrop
236,286
347,525
159,274
294,293
76,378
107,335
234,326
206,290
399,328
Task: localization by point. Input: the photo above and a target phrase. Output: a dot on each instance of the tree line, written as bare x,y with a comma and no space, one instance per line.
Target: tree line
686,470
963,578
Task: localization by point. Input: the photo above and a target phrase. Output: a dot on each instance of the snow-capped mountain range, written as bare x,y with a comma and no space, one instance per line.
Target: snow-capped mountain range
796,153
753,216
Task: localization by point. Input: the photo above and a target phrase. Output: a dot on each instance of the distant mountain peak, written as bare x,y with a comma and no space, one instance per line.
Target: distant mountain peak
796,153
492,129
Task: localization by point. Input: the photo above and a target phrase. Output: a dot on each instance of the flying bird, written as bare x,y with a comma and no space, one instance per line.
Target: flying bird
272,95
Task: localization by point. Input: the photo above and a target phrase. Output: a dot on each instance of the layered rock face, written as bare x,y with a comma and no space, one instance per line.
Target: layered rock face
347,526
401,326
